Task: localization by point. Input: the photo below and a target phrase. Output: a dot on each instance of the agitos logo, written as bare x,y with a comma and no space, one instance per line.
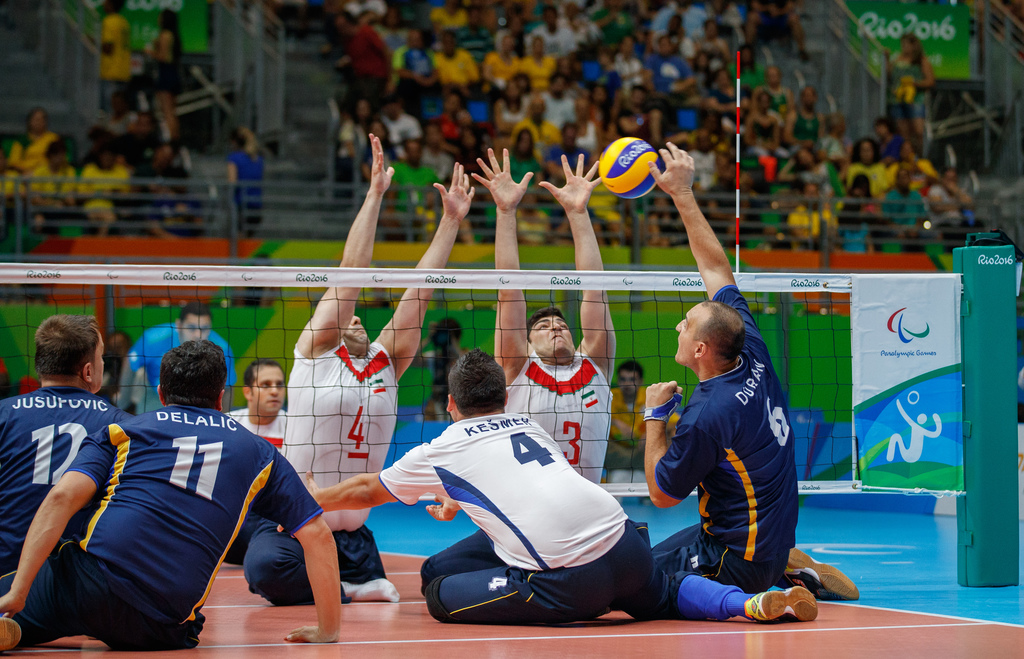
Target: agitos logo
906,336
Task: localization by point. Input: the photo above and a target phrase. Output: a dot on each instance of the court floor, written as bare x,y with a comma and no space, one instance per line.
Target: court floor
904,564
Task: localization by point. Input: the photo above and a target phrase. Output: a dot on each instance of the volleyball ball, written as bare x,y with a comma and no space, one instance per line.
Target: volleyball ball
623,167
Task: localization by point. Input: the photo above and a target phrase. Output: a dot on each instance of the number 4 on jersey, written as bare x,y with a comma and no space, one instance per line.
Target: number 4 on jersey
526,449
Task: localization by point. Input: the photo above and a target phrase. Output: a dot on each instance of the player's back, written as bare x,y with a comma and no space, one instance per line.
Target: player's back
40,434
516,485
182,482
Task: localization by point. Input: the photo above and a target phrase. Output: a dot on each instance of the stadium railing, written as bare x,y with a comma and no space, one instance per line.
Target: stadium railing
1004,89
282,210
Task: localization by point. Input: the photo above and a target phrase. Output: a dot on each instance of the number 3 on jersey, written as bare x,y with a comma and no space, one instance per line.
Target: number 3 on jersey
571,429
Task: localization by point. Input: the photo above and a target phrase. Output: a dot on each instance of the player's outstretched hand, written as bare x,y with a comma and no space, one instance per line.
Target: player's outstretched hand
456,199
311,484
575,194
311,634
658,394
506,192
445,511
11,604
677,179
380,178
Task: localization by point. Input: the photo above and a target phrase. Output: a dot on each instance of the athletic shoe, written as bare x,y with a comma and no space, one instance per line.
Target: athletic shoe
10,634
825,581
792,605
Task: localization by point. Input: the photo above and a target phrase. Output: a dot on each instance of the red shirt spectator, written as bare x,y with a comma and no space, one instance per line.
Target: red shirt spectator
368,53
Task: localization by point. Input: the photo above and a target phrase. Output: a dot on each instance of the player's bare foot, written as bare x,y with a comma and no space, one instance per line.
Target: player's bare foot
791,605
825,581
378,590
10,634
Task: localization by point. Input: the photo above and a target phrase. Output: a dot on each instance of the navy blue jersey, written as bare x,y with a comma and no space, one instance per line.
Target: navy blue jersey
733,442
40,434
176,485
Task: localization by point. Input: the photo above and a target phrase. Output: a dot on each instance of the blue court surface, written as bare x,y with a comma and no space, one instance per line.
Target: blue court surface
902,561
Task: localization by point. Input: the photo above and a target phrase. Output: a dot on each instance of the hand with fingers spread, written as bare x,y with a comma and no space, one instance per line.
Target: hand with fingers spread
506,192
457,198
380,178
677,179
575,194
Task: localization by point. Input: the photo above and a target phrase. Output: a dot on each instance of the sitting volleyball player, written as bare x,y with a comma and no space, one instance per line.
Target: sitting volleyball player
175,485
563,549
263,388
563,389
40,432
732,441
343,393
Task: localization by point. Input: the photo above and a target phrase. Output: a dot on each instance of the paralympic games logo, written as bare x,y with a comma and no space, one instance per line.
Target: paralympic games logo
906,336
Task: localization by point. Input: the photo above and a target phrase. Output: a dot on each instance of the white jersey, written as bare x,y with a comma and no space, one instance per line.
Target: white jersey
516,485
273,432
572,403
341,416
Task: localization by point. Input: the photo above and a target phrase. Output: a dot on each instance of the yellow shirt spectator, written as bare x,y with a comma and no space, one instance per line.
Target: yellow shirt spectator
100,181
7,186
28,153
447,17
876,174
115,49
804,224
499,68
539,72
40,189
922,172
545,133
459,69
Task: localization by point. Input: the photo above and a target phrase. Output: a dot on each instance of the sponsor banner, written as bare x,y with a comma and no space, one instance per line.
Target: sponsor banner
944,32
907,381
218,276
142,16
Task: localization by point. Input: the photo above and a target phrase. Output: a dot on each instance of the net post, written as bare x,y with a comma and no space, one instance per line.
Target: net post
988,544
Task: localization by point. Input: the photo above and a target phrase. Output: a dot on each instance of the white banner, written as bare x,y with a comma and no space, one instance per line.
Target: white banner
907,381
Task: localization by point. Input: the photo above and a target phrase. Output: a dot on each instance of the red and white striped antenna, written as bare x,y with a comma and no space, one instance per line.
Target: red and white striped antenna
737,162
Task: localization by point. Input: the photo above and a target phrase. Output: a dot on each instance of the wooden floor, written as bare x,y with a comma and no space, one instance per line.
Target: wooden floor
239,624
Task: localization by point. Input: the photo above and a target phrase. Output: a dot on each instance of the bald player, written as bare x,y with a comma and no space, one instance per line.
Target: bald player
342,397
732,440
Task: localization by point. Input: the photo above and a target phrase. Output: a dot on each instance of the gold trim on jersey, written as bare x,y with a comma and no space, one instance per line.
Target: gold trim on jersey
123,442
257,485
741,471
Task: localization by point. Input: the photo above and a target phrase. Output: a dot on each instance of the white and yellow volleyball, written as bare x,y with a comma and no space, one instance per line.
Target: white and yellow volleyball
624,170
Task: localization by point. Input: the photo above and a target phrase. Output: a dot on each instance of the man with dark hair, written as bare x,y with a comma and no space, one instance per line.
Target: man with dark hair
194,323
176,485
264,388
343,400
545,563
732,442
625,459
41,432
440,349
564,388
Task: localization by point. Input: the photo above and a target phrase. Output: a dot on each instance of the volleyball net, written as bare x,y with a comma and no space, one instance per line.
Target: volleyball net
260,311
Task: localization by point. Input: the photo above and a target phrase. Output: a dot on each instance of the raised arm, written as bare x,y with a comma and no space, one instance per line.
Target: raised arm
598,341
510,339
401,336
333,313
677,181
71,493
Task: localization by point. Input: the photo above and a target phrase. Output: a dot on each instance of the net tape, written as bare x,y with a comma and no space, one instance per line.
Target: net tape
483,279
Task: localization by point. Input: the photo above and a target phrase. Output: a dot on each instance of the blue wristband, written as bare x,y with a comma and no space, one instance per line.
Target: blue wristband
664,411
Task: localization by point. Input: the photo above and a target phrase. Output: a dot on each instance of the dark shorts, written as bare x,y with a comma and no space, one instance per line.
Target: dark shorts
772,27
275,565
480,588
696,552
70,597
906,111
